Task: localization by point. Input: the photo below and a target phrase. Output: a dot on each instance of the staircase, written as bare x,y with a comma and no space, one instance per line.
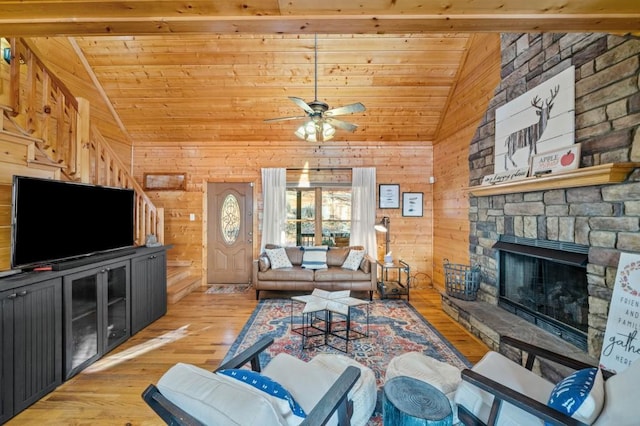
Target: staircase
180,281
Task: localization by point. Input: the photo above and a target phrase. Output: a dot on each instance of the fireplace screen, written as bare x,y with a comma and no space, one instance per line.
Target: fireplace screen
552,294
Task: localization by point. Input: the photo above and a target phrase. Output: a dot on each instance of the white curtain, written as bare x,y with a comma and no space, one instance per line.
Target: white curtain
363,209
274,196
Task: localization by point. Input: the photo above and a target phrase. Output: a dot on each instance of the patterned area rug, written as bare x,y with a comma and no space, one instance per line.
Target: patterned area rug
395,327
227,288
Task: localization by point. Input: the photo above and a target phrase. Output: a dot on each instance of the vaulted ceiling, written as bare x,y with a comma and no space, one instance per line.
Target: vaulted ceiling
212,71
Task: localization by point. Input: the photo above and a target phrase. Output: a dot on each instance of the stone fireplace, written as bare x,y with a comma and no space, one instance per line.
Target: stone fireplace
545,282
598,218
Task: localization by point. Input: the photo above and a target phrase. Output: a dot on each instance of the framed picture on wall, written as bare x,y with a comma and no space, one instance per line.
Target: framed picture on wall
389,197
412,204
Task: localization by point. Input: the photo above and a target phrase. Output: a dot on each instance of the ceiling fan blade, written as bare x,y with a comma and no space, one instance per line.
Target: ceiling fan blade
273,120
347,109
302,104
341,124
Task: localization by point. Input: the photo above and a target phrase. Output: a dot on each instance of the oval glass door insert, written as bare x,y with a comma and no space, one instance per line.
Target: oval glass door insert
230,219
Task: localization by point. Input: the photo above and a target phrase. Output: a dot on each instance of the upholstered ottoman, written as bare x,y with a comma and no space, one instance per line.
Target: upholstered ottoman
363,393
438,374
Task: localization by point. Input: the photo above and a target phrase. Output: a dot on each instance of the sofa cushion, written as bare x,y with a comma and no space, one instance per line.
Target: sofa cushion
621,400
217,400
314,257
295,273
499,368
337,274
353,260
279,395
278,258
337,255
295,254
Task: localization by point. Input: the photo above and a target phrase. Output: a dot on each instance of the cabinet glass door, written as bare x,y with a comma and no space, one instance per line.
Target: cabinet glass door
117,318
84,319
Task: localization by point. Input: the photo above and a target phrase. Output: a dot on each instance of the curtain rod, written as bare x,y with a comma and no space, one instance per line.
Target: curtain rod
319,168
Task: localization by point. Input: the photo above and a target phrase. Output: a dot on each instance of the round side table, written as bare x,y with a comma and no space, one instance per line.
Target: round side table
411,402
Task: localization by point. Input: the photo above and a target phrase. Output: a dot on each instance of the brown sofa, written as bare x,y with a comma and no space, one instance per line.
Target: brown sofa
300,279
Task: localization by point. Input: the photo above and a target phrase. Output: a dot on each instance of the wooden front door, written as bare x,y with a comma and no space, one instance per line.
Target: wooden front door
229,233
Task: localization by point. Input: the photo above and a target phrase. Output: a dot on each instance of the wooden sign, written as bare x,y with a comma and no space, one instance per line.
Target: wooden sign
508,176
556,161
540,120
621,345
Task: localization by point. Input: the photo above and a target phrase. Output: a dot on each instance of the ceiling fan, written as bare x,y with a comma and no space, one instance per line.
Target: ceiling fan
321,124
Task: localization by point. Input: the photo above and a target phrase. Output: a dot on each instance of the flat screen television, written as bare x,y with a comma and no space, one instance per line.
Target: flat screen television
52,220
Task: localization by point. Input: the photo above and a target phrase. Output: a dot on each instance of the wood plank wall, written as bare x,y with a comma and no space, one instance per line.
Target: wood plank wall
479,77
408,165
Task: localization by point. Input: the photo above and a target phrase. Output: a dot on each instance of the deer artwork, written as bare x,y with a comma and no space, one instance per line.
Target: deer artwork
529,136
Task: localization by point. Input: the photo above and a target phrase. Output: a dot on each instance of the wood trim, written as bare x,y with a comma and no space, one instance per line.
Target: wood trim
587,176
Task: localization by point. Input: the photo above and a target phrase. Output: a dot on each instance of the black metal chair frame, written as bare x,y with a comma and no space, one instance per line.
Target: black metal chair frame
335,399
503,393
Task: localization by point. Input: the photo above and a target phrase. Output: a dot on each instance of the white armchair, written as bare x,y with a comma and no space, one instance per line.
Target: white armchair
288,391
498,391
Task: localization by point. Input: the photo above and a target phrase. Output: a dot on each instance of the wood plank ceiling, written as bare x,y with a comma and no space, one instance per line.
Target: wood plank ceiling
213,71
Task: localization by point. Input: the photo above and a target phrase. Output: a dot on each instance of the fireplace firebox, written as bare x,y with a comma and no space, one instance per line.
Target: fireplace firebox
545,283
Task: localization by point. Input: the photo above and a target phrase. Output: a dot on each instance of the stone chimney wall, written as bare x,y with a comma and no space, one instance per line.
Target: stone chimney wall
607,112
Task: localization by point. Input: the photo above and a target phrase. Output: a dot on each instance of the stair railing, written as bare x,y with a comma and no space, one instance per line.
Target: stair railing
45,110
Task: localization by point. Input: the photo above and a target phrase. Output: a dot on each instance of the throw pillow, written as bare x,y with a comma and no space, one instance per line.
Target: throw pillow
278,258
286,403
580,395
353,260
315,257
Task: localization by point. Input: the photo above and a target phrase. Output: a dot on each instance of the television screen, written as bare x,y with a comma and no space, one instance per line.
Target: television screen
55,220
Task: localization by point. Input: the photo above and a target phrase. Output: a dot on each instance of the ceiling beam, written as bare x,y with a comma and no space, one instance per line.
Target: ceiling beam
47,25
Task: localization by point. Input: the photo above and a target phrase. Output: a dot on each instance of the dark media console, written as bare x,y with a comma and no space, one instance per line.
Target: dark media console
87,260
56,323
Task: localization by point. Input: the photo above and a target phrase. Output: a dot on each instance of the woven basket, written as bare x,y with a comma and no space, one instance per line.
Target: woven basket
461,281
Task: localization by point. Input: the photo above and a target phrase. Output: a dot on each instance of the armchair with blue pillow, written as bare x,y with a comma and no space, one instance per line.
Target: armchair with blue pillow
287,391
499,391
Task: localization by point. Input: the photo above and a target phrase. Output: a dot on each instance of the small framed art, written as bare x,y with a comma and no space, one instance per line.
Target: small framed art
389,196
412,204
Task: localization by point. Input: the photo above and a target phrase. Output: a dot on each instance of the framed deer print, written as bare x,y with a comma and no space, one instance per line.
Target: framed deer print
540,120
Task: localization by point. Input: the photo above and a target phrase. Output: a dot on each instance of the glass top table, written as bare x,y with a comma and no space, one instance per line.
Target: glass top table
318,318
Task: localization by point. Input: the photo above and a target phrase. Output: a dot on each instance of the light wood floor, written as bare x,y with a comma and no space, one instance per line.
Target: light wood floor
199,330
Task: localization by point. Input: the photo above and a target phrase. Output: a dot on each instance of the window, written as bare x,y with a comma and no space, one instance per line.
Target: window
319,215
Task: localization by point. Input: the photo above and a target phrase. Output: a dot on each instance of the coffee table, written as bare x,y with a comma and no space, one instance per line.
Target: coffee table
318,318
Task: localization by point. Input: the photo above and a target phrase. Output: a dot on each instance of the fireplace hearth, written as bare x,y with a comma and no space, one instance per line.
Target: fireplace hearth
545,283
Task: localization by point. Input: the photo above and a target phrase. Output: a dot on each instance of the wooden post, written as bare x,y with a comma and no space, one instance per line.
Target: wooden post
83,140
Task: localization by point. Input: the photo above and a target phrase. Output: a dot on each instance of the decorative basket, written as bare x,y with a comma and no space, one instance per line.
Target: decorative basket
461,281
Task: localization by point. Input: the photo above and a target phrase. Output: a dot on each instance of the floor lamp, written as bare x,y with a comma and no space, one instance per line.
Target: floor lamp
383,226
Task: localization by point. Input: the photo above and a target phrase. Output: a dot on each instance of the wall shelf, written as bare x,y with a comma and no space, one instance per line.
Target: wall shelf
587,176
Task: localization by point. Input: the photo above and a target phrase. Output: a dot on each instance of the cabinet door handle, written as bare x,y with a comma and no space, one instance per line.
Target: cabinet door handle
22,293
12,296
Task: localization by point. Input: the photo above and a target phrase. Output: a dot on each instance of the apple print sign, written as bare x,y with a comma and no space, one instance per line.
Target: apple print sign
556,161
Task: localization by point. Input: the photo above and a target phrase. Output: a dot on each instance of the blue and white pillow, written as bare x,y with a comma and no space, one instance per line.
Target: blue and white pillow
288,407
278,258
315,257
580,395
354,260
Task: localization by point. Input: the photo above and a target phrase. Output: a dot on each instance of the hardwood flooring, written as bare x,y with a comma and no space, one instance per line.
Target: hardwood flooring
199,330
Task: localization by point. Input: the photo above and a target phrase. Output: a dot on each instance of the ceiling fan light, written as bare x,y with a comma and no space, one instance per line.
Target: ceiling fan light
307,132
328,131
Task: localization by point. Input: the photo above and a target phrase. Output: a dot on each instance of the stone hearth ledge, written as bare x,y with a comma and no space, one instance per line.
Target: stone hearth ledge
488,322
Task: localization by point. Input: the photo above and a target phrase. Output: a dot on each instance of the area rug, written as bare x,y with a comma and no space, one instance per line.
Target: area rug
227,288
395,327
